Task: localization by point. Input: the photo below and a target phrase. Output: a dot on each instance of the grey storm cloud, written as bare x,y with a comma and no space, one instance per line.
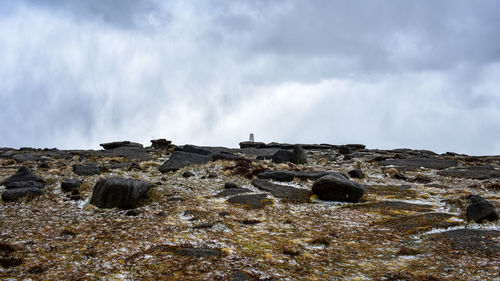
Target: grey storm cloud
420,74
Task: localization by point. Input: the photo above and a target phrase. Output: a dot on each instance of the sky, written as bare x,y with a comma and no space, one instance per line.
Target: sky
387,74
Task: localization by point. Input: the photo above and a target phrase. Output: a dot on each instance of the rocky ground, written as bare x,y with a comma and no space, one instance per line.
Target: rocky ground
255,213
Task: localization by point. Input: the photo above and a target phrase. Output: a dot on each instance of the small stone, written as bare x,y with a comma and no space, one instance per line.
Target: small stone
212,175
69,185
44,165
204,225
134,166
230,184
357,174
282,156
187,174
299,155
133,212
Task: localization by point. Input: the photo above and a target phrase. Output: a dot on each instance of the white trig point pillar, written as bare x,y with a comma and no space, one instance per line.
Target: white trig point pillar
251,139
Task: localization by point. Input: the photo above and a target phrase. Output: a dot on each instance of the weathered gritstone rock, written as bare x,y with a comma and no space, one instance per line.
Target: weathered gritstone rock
69,185
118,193
298,155
253,201
480,209
414,163
337,187
116,144
88,169
289,193
23,174
282,156
180,159
232,191
476,172
15,194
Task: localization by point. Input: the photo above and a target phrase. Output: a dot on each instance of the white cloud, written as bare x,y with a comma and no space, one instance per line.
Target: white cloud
213,74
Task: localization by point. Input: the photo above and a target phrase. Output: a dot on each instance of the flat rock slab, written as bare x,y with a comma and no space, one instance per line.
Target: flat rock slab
232,191
420,223
288,193
287,175
380,192
116,144
253,201
414,163
470,240
181,159
189,252
128,152
88,169
14,194
476,172
391,206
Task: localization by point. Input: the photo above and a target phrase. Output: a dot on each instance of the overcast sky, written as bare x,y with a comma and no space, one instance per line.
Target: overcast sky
388,74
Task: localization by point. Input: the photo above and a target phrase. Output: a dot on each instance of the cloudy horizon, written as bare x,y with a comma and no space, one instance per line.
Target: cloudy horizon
388,74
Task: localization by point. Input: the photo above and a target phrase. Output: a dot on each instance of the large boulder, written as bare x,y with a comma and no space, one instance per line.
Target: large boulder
292,194
299,155
181,159
282,156
480,209
119,192
88,169
23,174
337,187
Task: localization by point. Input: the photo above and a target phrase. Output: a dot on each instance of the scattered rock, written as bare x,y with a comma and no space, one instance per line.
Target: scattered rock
25,184
282,156
22,174
287,175
69,185
75,195
476,172
357,174
44,165
88,169
470,240
230,184
232,191
289,193
117,144
181,159
407,251
133,212
414,163
337,187
161,144
253,201
212,175
10,195
298,155
421,179
187,174
344,149
480,209
118,192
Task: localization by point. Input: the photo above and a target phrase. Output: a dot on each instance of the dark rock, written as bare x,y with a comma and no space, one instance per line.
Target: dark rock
212,175
230,184
133,212
282,156
476,172
180,159
347,157
470,240
232,191
119,165
480,209
335,187
24,157
241,276
357,174
69,185
196,149
298,155
187,174
344,149
44,165
88,169
420,223
289,193
7,262
25,184
161,144
116,144
286,175
251,144
204,225
23,174
399,176
134,166
421,179
10,195
118,192
415,163
356,146
253,201
75,195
